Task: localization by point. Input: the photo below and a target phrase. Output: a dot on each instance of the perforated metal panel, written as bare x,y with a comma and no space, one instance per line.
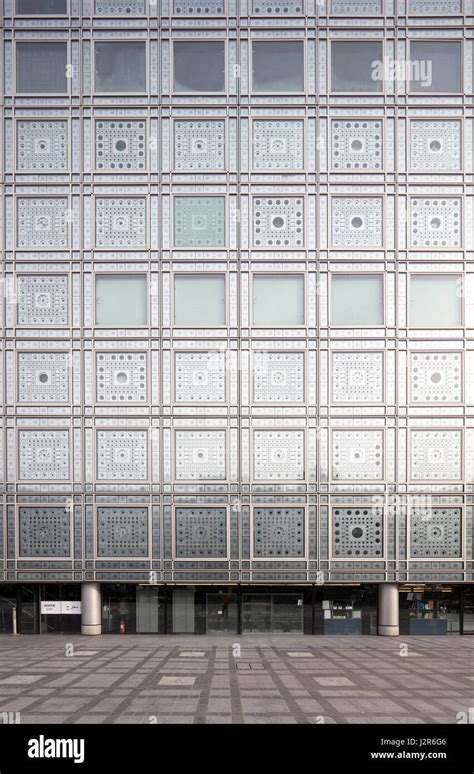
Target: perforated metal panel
43,455
119,7
357,377
200,377
120,222
435,532
44,532
272,7
199,145
278,222
357,532
206,7
278,145
435,146
120,145
122,532
199,221
201,532
435,6
351,7
42,300
42,146
278,377
122,454
357,145
357,455
278,532
43,377
436,222
436,377
121,377
42,223
200,455
357,222
435,455
279,454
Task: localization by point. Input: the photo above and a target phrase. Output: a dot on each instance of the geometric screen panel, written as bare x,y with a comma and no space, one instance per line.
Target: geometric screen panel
44,455
357,532
436,223
357,145
42,300
357,455
278,145
278,222
200,454
201,532
436,455
43,377
199,221
121,377
200,377
435,146
122,532
357,222
120,222
278,377
357,377
122,454
42,223
45,532
120,145
42,146
435,532
436,377
279,454
278,532
199,145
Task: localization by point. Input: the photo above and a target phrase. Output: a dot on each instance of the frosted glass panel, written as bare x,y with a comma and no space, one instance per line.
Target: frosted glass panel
41,67
278,300
120,67
199,65
121,300
435,301
199,300
37,7
438,66
352,65
357,300
278,66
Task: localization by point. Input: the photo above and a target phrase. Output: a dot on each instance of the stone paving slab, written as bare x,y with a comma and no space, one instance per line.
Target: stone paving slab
145,679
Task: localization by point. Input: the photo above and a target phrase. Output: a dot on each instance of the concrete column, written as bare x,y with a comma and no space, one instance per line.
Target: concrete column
91,609
388,610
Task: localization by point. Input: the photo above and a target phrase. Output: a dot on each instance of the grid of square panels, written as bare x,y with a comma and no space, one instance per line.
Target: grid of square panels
239,276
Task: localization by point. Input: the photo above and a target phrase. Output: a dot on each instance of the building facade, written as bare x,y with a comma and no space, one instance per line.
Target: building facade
238,316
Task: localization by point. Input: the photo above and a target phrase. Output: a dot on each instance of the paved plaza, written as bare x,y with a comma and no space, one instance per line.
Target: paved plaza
250,679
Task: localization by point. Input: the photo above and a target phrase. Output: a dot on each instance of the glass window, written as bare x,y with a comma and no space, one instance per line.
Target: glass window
352,65
199,299
37,7
436,66
121,300
278,299
199,65
435,300
357,299
278,66
41,67
120,67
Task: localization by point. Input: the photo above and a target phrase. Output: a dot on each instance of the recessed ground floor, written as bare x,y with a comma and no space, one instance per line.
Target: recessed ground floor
244,679
122,608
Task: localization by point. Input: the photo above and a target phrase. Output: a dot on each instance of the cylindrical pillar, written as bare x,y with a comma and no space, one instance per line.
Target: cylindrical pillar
388,610
91,604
